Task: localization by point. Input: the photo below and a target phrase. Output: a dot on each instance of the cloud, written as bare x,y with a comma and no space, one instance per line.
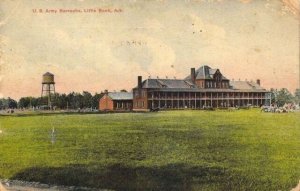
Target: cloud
152,57
210,33
163,55
284,7
1,77
153,24
288,6
291,6
11,13
90,51
245,1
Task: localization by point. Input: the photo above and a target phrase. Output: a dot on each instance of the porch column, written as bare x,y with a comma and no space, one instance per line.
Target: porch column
200,100
227,99
222,98
205,99
166,99
152,100
211,100
159,99
172,97
189,99
217,99
195,100
177,100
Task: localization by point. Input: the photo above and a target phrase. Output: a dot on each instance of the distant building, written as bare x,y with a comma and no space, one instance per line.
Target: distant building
204,87
112,101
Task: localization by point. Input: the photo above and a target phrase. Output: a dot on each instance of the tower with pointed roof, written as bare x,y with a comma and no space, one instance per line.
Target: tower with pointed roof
206,77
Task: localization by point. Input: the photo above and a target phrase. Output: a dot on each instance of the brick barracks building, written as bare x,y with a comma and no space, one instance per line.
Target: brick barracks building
203,88
116,101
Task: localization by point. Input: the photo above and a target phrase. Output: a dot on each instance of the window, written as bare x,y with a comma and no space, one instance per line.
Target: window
144,93
136,94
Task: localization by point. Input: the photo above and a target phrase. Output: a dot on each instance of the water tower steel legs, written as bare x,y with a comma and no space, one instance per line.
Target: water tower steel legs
48,91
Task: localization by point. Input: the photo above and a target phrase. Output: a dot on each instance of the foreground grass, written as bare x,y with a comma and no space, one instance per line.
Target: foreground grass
176,150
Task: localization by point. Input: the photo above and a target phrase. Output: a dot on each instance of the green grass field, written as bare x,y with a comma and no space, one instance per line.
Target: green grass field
174,150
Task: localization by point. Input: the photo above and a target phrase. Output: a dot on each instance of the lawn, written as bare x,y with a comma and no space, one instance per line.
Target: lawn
172,150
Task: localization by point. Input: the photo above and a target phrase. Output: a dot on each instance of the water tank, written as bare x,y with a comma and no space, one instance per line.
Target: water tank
48,78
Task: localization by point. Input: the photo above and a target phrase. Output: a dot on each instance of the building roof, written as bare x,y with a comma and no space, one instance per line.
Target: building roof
207,90
186,85
167,83
205,72
120,95
48,74
245,85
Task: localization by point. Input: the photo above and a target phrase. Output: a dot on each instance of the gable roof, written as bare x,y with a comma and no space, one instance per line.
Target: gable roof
245,85
120,95
48,74
205,72
167,83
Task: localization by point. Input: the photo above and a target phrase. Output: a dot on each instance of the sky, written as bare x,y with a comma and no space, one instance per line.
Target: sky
94,45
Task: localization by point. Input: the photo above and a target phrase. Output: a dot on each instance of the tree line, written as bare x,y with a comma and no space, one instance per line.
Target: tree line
73,100
282,96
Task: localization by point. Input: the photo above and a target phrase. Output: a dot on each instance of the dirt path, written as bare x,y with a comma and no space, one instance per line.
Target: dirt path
297,188
14,187
35,186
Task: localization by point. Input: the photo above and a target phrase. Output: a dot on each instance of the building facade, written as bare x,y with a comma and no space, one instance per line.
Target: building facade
116,101
203,88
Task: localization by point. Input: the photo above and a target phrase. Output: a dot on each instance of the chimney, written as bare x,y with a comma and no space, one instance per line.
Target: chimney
258,81
193,75
105,92
139,81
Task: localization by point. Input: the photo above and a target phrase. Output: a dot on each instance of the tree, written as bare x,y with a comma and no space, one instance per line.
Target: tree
284,96
70,100
61,101
35,101
86,99
274,94
12,104
95,100
2,104
297,96
24,102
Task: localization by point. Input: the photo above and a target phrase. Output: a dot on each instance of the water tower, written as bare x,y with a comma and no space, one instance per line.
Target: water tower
48,89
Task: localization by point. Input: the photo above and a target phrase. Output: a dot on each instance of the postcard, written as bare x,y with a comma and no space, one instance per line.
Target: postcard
149,95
